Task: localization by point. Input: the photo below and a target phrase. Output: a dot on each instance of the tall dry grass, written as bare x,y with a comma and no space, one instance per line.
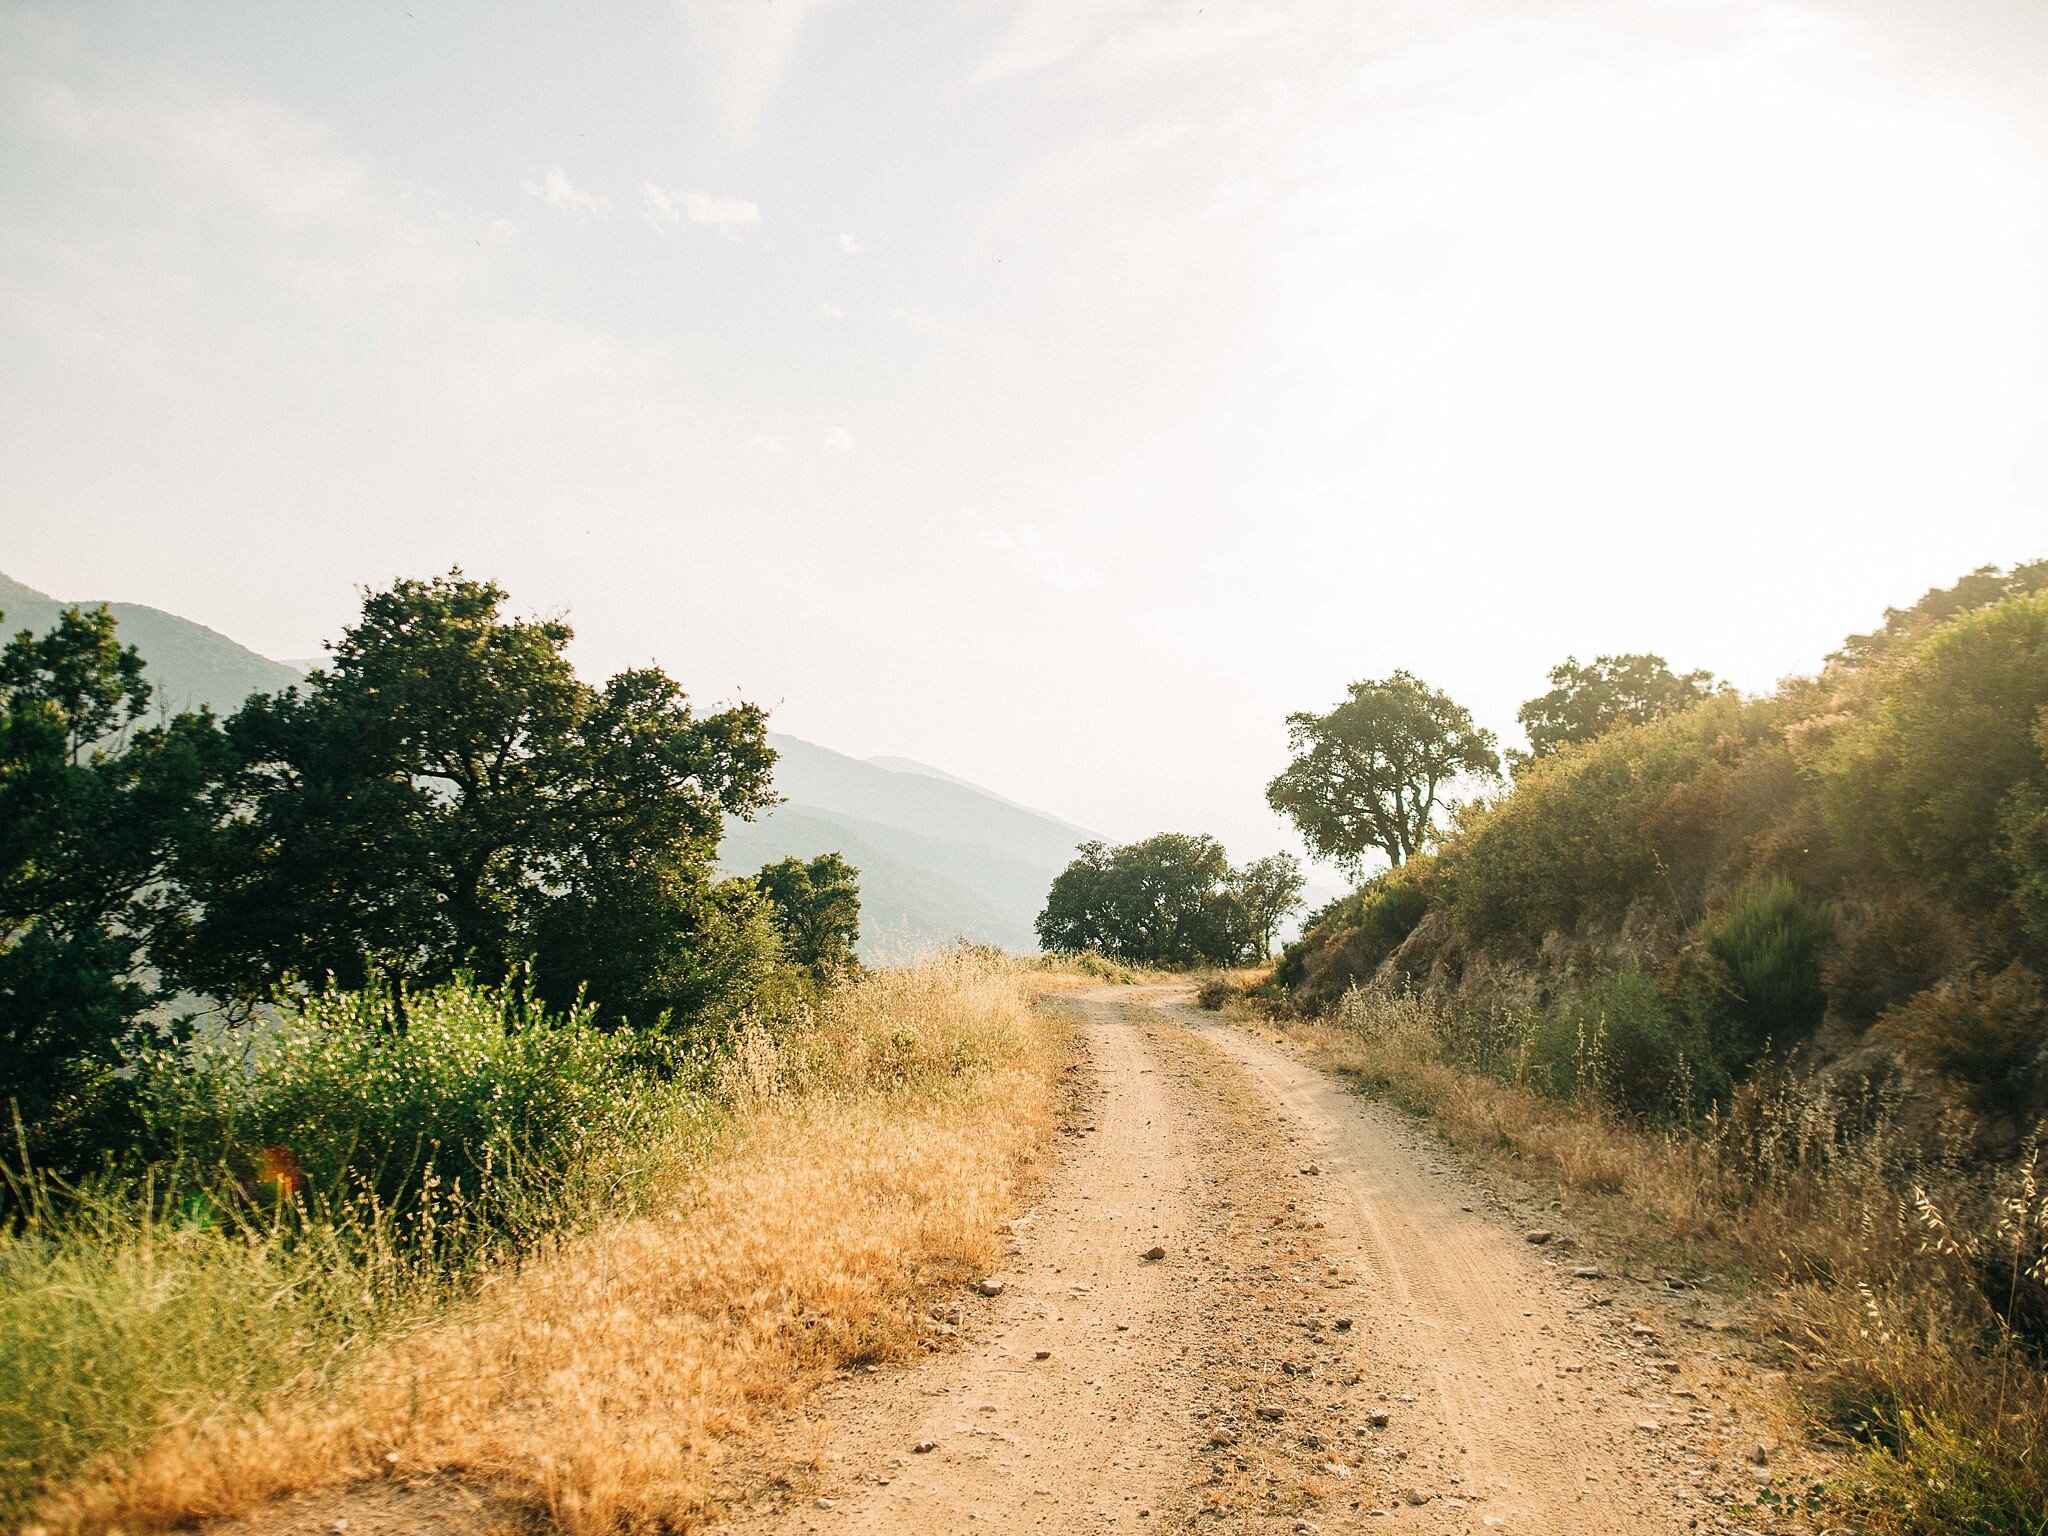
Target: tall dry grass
879,1141
1910,1284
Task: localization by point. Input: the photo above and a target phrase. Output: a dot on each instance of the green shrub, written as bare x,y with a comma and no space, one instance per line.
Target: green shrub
1352,937
1574,839
1617,1039
1986,1034
1933,780
463,1099
1766,949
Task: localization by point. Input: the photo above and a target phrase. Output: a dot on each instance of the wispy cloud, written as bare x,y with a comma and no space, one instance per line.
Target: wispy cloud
732,217
557,191
1026,543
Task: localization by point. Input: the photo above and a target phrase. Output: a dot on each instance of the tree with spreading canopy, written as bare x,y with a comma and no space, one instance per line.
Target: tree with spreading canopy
1590,699
1373,774
446,795
1169,900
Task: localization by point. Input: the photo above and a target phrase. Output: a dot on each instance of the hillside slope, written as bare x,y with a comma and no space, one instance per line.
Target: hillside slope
940,860
189,664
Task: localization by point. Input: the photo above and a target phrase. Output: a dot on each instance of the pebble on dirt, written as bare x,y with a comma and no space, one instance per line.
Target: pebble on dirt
1377,1418
1154,1255
1540,1235
924,1446
990,1287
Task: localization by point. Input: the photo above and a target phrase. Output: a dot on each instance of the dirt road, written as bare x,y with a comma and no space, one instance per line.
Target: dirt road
1341,1332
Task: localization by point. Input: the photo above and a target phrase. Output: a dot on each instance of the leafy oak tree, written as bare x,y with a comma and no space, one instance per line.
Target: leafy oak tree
1588,700
1267,891
816,904
446,795
1373,774
1169,900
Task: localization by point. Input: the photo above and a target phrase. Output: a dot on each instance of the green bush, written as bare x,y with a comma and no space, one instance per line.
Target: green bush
1574,839
1617,1039
463,1106
1352,937
1938,777
1766,947
1989,1036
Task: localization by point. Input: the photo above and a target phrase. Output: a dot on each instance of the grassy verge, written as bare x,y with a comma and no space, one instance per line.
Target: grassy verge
791,1215
1899,1281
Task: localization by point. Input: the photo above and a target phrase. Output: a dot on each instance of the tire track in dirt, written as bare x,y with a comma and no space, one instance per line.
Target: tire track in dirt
1343,1335
1070,1413
1545,1397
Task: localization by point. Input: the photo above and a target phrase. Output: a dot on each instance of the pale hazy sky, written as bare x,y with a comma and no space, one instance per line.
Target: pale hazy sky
1058,391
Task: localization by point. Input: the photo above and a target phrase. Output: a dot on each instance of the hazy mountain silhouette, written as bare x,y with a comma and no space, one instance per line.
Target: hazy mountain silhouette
940,858
189,664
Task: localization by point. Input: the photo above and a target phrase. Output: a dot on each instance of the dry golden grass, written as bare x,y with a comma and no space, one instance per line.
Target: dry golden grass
599,1384
1875,1259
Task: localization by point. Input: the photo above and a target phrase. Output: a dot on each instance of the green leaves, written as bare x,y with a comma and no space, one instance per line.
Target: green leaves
89,809
1170,900
1589,700
1943,780
449,795
817,910
1373,774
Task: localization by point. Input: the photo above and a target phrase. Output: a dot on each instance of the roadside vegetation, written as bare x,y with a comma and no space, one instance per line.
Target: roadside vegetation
468,1240
332,1030
1767,971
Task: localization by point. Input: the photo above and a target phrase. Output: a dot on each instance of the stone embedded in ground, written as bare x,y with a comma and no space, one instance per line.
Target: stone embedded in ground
1342,1324
825,1503
923,1446
1041,1354
990,1287
1223,1437
1540,1235
1377,1418
1154,1255
1588,1272
1271,1412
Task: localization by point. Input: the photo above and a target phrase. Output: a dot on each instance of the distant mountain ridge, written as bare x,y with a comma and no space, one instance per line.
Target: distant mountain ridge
189,664
940,859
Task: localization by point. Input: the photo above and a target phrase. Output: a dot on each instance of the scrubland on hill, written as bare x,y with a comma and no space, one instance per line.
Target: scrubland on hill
1767,972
